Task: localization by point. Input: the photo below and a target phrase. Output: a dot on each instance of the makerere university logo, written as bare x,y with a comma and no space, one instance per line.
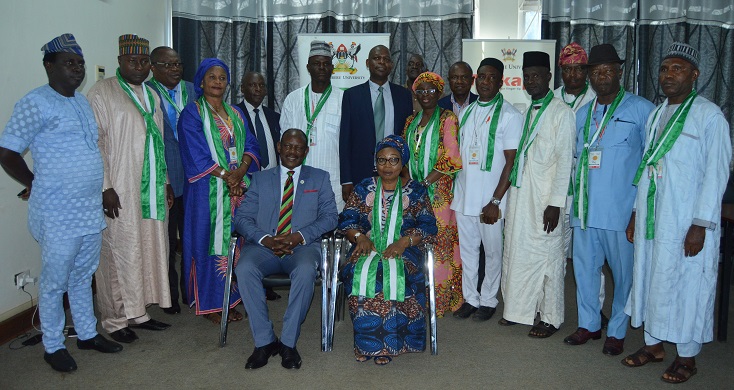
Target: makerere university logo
346,59
508,54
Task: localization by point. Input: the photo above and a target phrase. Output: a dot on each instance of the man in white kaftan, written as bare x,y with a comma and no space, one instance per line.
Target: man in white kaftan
533,261
133,268
677,243
321,123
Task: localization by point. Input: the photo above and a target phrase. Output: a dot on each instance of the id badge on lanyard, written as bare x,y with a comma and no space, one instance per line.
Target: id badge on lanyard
312,137
658,169
474,154
233,155
595,159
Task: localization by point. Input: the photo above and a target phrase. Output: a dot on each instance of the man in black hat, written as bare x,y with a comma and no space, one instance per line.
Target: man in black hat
490,132
609,143
681,180
534,262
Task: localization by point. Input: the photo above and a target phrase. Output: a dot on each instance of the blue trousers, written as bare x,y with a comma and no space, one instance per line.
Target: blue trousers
590,248
67,266
254,264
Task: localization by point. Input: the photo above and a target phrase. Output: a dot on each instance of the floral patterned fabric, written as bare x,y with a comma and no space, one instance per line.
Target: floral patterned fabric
446,248
389,328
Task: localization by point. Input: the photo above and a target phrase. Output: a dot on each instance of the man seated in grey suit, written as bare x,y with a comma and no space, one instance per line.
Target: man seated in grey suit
285,212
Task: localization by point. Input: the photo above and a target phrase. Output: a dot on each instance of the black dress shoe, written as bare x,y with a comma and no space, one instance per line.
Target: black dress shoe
290,357
124,335
152,324
465,310
99,343
271,295
60,361
174,309
260,355
483,313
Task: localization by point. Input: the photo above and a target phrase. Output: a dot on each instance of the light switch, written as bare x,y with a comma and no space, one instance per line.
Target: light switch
100,72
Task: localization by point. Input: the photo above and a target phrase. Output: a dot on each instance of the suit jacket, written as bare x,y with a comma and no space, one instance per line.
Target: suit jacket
445,102
357,133
172,153
314,206
273,119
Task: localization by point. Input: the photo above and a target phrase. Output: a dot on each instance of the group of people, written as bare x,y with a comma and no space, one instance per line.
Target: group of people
389,167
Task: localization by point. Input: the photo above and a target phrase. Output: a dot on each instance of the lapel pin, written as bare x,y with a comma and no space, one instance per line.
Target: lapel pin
300,182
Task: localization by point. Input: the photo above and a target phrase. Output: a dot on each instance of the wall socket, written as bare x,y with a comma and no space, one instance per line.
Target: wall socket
22,278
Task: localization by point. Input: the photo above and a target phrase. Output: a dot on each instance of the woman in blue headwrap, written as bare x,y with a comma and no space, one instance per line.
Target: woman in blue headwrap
218,153
386,217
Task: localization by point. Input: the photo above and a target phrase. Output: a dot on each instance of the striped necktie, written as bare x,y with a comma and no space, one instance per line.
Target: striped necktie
286,206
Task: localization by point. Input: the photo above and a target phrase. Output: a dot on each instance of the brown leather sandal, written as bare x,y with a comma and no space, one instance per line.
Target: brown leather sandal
678,372
641,357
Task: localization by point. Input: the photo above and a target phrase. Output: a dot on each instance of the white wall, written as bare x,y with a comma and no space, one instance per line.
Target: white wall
26,26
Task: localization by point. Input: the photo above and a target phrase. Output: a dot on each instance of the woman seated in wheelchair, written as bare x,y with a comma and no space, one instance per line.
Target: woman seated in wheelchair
387,218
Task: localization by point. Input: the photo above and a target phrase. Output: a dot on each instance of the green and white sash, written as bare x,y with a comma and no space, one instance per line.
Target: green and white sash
179,106
581,188
498,100
656,150
393,269
153,181
220,213
529,132
311,116
425,148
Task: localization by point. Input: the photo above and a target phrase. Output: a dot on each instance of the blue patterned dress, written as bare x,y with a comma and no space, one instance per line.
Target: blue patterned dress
389,328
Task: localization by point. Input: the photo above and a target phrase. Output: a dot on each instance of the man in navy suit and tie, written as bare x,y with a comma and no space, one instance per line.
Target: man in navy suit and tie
263,121
370,112
282,218
461,78
175,94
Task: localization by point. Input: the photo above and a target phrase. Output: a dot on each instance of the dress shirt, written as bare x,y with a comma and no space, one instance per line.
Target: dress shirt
389,108
283,178
268,137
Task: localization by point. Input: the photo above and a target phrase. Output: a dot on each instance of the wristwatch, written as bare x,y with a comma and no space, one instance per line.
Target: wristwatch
495,201
356,236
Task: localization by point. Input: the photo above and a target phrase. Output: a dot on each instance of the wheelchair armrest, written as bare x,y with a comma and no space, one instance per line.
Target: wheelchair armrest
327,235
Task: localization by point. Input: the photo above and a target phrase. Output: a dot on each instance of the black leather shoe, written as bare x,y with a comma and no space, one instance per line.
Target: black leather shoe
260,355
174,309
99,343
152,324
483,313
465,310
291,358
60,361
124,335
581,336
271,295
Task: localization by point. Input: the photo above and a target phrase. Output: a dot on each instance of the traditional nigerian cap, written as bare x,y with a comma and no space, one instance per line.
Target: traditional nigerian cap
683,51
573,54
493,62
535,58
205,65
64,43
429,77
396,142
133,44
319,48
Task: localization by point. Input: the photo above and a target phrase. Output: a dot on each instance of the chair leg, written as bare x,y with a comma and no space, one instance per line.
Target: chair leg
433,328
227,289
333,281
325,256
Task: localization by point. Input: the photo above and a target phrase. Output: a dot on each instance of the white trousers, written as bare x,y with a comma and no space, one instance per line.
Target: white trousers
472,233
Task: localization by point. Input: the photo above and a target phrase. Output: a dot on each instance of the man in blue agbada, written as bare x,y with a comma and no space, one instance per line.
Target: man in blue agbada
675,226
609,145
64,194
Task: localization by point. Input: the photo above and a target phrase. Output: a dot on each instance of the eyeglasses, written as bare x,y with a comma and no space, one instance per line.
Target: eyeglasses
392,160
169,65
425,91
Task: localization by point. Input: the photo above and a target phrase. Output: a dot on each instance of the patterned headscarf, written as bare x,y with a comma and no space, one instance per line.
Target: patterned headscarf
429,77
573,54
396,142
64,43
205,65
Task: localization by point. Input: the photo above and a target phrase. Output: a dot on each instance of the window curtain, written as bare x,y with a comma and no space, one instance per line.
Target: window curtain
261,35
642,31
